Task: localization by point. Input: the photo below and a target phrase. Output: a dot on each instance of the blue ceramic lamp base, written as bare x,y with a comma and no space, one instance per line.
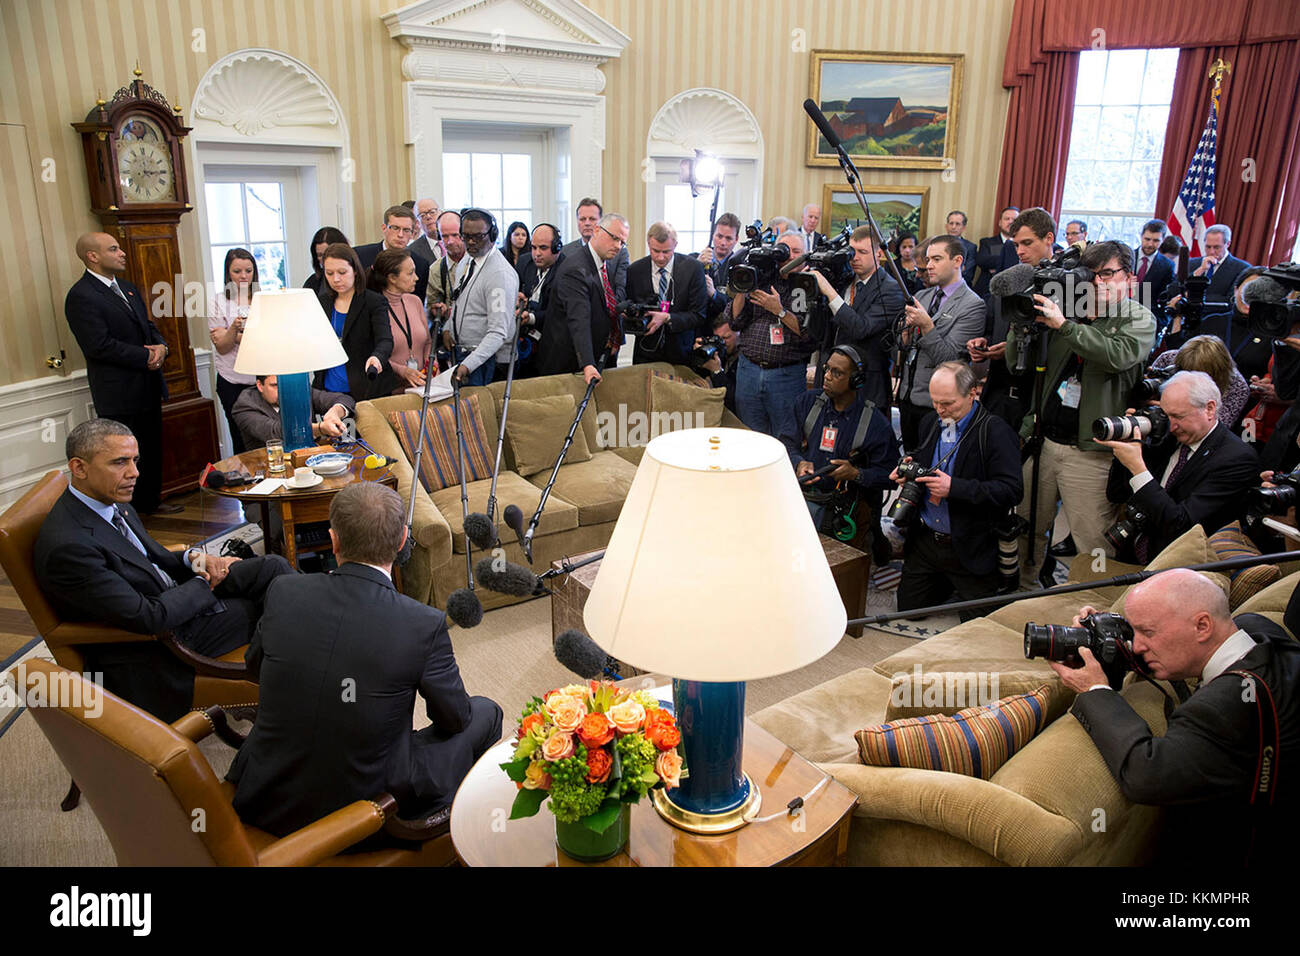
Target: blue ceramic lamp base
295,411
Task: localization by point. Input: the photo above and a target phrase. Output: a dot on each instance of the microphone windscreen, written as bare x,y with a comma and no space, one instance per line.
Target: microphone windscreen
482,530
1012,281
464,608
404,555
514,519
817,116
580,654
372,373
1264,289
514,579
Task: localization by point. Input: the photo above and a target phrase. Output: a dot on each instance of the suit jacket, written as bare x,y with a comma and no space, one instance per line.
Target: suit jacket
988,262
987,482
1220,288
1209,491
577,330
1203,769
423,248
112,335
721,273
1154,285
339,659
818,240
369,252
866,325
686,315
259,422
617,267
968,259
367,331
527,283
960,319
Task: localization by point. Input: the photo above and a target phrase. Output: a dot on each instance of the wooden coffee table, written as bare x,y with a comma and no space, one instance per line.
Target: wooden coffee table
484,836
849,567
298,505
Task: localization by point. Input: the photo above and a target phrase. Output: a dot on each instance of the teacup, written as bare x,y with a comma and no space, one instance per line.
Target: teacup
302,477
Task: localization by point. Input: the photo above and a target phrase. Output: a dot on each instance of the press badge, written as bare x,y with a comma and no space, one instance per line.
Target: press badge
776,334
664,305
1070,390
411,363
828,438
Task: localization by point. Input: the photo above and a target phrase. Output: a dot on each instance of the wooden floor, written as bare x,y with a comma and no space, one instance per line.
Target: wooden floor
204,516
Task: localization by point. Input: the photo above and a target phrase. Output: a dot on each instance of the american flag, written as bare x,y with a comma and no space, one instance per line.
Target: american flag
1194,208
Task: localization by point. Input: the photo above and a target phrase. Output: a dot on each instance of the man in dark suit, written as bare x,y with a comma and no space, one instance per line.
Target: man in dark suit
589,213
584,325
339,659
664,276
257,412
1218,265
95,562
536,287
993,253
812,217
1215,770
864,313
952,544
1152,270
124,357
1197,475
426,247
717,259
399,229
956,225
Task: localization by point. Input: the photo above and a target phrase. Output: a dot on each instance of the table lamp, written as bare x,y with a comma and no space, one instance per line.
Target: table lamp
714,575
288,335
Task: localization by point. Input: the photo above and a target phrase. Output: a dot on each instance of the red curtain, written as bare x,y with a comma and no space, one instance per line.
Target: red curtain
1036,144
1257,187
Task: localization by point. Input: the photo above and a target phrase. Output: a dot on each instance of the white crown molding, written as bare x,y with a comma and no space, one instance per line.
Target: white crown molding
251,92
550,28
704,118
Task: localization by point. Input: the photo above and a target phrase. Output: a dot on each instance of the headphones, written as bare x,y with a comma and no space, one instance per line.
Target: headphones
858,378
557,242
493,233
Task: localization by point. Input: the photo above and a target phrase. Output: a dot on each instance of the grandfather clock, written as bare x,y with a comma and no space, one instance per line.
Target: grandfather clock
139,191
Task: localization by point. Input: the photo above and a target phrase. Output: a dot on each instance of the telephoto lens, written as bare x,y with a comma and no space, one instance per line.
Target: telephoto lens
1128,527
905,510
1150,424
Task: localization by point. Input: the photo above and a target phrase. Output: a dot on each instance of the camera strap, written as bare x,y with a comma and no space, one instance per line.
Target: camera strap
1268,763
859,435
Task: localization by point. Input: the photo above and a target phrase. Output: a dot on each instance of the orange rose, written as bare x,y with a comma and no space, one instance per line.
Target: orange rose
558,746
669,767
529,722
661,730
567,712
627,716
596,730
599,763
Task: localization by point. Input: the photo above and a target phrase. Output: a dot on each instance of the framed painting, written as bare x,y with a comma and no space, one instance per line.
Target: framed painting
891,110
895,208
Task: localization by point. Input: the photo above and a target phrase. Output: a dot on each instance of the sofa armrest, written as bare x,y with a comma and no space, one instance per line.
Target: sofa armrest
430,528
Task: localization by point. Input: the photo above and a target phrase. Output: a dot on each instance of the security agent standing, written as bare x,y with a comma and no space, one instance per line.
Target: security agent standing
825,429
865,312
1221,768
1197,475
976,457
1093,362
536,286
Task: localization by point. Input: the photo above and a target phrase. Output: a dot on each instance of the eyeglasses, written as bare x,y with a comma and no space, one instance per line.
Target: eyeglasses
400,230
473,236
1109,273
621,242
833,372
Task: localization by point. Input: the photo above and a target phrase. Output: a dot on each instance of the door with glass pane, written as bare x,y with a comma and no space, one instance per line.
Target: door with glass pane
254,208
502,170
671,201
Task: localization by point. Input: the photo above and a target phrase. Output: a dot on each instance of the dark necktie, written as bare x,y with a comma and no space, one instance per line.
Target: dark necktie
936,302
1209,273
1142,268
119,522
118,289
663,285
1142,546
1178,466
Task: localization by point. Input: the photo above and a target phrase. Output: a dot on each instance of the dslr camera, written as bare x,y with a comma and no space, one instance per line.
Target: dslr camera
1107,635
632,315
1148,387
1261,502
908,504
1150,425
1129,526
709,347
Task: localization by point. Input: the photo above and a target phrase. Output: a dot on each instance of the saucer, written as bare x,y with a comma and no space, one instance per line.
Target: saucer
293,485
329,463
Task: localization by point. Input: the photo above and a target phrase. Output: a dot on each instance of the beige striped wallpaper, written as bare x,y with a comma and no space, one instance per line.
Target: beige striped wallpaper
60,53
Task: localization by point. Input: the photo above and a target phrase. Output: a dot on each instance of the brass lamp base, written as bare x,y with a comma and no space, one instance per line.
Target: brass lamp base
706,823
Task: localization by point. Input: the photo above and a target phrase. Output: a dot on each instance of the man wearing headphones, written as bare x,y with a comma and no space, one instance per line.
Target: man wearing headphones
975,459
482,323
536,275
842,447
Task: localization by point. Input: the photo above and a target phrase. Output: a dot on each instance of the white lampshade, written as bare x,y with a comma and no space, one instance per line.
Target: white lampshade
714,571
288,332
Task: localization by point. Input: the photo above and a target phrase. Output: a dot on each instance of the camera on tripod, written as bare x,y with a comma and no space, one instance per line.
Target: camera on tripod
912,495
759,264
1148,388
1150,425
1276,319
633,315
1107,635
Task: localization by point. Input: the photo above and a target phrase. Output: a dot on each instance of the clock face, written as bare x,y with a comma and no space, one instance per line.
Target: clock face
144,162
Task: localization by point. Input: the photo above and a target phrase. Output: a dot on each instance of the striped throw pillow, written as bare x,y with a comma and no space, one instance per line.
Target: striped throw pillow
975,741
1231,542
439,466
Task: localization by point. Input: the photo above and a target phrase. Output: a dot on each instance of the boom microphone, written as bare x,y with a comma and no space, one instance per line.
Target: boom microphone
819,118
513,579
583,656
482,530
514,519
464,608
1012,281
1264,290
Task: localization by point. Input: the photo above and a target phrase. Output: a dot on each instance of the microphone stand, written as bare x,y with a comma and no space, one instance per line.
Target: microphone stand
408,546
1036,440
501,433
464,496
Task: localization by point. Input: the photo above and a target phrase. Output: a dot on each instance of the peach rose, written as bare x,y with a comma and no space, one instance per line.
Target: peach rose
627,716
661,730
558,746
599,764
566,712
669,768
596,730
536,777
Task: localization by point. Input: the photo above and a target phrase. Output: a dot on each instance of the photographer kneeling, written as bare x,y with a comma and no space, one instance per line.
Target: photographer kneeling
971,480
1216,768
1189,469
842,438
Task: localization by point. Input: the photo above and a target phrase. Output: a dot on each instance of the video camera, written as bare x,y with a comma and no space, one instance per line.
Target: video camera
833,260
1191,307
632,315
1057,278
759,264
1272,313
1107,635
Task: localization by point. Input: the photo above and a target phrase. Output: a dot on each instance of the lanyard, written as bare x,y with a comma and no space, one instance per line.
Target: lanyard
406,330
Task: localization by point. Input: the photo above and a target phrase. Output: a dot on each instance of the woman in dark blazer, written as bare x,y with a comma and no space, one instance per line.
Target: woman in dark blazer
360,320
325,237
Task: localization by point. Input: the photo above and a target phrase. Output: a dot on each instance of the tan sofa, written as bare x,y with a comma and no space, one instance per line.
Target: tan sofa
1053,803
584,503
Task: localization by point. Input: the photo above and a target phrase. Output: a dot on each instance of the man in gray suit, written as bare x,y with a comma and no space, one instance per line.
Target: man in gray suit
482,320
940,321
589,213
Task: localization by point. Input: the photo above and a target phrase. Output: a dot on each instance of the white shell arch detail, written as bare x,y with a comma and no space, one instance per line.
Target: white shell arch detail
255,90
706,117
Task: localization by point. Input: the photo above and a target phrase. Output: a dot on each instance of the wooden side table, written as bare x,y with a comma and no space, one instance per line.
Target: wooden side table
484,836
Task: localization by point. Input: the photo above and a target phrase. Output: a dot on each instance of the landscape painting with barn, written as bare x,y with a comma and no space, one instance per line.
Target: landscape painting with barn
892,110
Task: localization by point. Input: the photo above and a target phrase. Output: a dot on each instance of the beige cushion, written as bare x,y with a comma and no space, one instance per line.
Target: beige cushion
976,645
559,515
675,406
631,455
1271,602
922,693
621,393
527,389
1052,608
535,431
596,487
819,723
1231,542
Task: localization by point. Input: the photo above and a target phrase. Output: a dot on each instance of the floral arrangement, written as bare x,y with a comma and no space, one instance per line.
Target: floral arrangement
592,748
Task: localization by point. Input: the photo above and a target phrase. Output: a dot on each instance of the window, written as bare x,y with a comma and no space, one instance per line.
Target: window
690,215
251,216
500,183
1121,106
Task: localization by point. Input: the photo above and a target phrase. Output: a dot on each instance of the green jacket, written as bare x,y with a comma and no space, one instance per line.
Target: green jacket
1113,349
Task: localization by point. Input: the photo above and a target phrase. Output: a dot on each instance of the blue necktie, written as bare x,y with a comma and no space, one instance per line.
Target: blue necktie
663,285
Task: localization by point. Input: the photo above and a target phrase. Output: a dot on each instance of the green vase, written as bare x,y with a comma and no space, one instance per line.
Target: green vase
586,845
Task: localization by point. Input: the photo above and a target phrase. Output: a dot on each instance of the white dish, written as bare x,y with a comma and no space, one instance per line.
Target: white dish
293,484
329,469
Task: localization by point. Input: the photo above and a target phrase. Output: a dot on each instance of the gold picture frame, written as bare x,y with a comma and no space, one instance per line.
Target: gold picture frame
904,207
880,103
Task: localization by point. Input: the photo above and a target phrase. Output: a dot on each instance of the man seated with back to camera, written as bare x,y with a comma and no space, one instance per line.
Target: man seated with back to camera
339,659
952,545
1208,767
842,432
257,412
1197,473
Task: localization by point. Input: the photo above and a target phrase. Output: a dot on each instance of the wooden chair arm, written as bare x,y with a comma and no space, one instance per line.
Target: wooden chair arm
205,666
71,633
326,837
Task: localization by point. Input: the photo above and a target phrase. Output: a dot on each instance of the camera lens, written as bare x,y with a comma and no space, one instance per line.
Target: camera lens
1054,642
